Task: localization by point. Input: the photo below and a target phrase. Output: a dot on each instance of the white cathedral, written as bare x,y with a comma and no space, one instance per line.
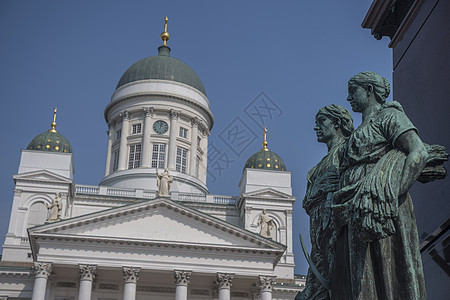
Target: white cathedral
124,239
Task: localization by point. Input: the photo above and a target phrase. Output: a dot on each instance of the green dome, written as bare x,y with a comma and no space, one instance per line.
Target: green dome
265,159
51,141
162,67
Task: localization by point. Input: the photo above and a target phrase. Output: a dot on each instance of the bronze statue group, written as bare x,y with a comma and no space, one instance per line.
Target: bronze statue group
363,231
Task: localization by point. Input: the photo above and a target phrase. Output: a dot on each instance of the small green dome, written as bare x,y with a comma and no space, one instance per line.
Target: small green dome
265,159
162,67
51,141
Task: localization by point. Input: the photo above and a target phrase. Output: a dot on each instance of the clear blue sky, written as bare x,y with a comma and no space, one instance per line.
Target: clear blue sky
71,54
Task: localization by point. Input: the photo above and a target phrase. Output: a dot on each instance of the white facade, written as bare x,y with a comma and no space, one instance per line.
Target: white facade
117,240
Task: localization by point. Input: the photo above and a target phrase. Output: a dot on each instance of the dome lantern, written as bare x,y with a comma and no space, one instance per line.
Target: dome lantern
162,67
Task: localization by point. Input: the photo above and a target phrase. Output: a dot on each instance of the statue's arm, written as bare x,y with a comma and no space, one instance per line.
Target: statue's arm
417,155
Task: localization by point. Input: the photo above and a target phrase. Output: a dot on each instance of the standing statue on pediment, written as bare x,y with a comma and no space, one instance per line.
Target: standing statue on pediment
163,182
55,209
334,124
266,224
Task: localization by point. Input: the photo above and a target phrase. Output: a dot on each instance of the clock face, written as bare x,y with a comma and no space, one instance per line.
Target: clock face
160,127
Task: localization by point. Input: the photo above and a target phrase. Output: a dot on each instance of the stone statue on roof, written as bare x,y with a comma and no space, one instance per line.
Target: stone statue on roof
163,181
266,224
55,209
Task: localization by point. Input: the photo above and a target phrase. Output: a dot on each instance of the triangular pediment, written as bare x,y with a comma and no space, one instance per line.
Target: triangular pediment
156,221
268,193
42,175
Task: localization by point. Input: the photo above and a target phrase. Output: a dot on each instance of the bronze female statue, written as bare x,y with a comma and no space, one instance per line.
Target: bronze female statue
377,248
333,126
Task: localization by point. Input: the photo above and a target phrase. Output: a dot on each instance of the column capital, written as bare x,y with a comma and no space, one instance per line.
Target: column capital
131,275
125,115
87,272
148,111
224,280
42,269
206,132
182,277
289,212
266,282
195,121
174,114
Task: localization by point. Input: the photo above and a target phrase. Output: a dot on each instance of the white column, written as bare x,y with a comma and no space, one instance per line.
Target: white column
146,147
265,287
182,280
248,211
289,231
123,148
87,275
204,165
130,278
194,145
50,282
171,158
224,282
41,272
108,150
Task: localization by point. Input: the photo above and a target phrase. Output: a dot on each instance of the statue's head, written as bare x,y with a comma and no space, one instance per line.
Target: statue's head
166,170
330,119
363,85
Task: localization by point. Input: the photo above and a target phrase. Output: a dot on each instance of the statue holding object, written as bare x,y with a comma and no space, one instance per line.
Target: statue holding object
334,124
375,251
163,182
55,209
266,224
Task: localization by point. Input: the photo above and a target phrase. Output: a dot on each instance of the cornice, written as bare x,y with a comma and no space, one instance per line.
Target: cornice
16,273
111,199
125,98
153,244
291,199
56,179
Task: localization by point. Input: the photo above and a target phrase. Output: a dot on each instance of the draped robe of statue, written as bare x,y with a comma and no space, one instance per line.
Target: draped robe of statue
323,180
266,224
163,182
377,249
55,209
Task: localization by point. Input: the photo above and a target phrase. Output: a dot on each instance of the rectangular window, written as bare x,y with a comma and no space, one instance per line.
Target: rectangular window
158,156
198,141
118,134
134,160
183,132
116,160
136,128
181,159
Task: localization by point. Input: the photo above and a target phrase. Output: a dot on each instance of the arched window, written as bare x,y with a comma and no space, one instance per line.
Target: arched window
37,214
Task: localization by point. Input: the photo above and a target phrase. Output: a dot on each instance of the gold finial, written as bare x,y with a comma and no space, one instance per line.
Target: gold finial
54,121
265,140
165,35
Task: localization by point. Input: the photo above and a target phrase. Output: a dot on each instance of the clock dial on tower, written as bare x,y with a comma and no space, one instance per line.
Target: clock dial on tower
160,127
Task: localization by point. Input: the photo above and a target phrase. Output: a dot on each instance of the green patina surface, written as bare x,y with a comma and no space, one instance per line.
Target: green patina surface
267,160
50,141
162,67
